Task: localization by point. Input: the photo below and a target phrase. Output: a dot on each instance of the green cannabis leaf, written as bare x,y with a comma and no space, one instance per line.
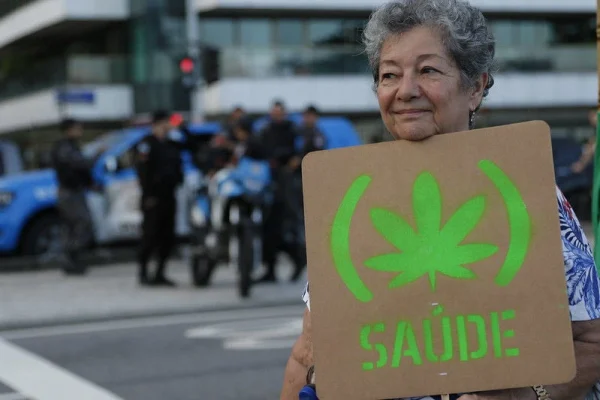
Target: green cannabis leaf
432,249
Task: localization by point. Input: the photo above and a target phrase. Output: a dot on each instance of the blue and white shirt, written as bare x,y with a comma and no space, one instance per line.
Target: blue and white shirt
583,284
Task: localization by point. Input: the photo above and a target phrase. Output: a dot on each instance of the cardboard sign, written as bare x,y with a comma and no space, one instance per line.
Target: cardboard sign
436,267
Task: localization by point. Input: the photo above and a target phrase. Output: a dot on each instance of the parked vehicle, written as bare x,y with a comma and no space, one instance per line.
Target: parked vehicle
29,220
10,158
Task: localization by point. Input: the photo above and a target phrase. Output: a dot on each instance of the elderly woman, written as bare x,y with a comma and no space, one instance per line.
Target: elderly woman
432,63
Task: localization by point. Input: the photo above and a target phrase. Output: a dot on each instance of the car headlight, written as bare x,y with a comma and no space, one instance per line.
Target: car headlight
6,198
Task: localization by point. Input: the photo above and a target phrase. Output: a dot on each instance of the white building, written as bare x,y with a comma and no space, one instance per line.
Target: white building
99,61
309,52
47,71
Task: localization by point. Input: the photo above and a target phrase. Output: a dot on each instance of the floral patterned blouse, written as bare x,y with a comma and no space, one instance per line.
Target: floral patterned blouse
583,285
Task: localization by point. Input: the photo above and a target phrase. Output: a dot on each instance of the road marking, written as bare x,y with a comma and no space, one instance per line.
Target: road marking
256,334
37,378
148,322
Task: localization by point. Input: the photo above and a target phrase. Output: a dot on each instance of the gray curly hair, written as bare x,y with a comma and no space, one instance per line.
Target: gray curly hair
467,37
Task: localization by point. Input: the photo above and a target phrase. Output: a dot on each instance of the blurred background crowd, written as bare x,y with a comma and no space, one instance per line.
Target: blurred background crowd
110,64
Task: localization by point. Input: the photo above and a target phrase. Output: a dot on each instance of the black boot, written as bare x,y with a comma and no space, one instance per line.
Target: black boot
160,279
143,275
73,265
269,275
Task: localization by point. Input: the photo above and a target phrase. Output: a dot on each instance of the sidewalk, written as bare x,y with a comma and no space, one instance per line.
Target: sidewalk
49,297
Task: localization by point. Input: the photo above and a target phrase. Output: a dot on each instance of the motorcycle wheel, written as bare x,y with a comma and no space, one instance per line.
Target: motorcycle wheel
202,269
245,259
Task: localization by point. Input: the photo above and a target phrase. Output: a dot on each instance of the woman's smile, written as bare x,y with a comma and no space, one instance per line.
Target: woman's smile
410,115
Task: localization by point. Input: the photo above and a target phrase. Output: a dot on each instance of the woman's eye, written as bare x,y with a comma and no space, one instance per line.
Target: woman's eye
387,75
428,70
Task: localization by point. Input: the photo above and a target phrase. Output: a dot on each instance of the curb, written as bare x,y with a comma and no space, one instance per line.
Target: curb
179,311
34,264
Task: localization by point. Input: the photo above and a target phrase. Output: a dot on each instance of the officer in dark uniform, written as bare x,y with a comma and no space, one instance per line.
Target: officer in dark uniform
278,138
160,172
312,137
247,144
73,172
291,188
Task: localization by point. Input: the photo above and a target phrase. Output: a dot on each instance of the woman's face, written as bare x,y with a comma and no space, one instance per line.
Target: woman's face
419,89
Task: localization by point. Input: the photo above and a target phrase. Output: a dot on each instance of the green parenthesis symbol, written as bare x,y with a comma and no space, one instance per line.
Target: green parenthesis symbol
340,240
518,221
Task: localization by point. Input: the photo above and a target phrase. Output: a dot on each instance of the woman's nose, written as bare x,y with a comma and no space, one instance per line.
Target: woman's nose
408,87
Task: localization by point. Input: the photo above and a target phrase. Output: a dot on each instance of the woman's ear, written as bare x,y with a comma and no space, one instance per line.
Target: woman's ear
477,91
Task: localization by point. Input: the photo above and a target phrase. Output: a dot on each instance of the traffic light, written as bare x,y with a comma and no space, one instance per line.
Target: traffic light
210,64
189,73
176,120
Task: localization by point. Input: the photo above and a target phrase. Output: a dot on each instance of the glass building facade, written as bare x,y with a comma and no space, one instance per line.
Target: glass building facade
270,47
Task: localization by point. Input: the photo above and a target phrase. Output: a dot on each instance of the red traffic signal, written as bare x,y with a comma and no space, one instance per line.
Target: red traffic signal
176,119
186,65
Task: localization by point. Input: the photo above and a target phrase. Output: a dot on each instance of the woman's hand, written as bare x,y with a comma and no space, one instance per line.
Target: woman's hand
299,362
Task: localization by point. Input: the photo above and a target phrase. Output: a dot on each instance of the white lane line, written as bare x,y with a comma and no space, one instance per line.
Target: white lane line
137,323
39,379
256,334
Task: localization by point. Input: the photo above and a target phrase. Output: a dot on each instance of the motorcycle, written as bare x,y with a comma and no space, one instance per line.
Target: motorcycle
227,221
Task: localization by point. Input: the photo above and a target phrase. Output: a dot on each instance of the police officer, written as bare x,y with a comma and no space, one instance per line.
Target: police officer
236,115
73,172
160,172
278,138
291,188
247,144
312,137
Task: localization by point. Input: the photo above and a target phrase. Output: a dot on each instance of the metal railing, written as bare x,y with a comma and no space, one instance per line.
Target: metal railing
298,61
243,62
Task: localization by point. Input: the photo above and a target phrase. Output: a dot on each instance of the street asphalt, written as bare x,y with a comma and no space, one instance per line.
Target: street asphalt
101,336
221,355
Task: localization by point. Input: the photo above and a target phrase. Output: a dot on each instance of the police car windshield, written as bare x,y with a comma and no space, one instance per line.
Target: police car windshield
107,140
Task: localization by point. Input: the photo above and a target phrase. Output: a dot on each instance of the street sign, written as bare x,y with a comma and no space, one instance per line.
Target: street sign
75,96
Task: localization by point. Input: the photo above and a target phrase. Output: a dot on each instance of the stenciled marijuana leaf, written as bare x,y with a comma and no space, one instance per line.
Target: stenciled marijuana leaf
432,249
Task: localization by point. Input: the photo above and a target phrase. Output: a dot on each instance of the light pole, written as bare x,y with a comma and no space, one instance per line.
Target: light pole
193,49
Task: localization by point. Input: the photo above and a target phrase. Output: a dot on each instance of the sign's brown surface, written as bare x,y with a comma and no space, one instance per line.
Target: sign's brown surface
436,267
